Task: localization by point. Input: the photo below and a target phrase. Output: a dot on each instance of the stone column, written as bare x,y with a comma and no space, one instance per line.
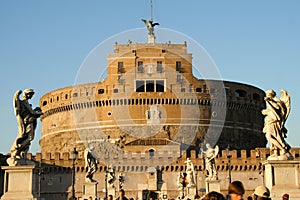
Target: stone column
282,176
20,182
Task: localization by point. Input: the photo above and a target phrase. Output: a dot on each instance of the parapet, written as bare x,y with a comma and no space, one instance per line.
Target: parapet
240,160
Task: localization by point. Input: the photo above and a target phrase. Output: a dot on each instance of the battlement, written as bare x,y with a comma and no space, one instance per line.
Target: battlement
240,160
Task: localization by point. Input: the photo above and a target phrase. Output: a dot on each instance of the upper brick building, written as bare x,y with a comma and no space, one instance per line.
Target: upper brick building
149,98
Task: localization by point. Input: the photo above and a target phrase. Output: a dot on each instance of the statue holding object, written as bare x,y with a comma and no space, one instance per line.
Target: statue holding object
210,154
91,162
27,122
277,113
190,173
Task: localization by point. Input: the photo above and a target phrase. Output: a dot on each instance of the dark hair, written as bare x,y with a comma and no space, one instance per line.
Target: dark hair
256,197
236,187
122,191
214,196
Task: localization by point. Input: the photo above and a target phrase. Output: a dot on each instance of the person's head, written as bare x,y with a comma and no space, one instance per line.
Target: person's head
110,197
214,196
285,197
28,93
90,198
122,193
270,93
261,193
236,190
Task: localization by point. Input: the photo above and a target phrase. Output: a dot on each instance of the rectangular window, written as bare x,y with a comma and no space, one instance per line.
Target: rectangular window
159,66
204,89
179,79
100,91
116,90
140,66
183,89
160,85
191,88
198,90
178,66
121,79
140,86
120,67
150,86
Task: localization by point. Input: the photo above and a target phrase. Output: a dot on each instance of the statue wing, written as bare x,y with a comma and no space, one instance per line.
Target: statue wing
17,106
216,151
17,111
86,152
145,21
286,100
155,24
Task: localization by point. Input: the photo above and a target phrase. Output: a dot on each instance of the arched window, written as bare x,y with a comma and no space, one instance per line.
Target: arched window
151,153
44,103
256,97
240,93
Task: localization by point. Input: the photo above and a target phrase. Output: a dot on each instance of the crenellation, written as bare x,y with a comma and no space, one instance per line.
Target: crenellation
193,154
243,153
29,156
183,155
253,153
234,154
55,156
46,156
131,157
38,157
66,156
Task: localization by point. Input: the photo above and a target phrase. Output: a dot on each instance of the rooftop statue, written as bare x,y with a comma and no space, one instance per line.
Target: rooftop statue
150,26
27,122
210,164
91,162
277,113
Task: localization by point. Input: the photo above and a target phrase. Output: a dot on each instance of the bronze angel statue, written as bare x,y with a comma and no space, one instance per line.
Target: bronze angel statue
150,26
277,112
27,122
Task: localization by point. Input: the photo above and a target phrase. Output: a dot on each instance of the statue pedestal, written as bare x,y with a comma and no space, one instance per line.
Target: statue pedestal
213,185
151,39
20,183
282,176
191,192
89,190
112,191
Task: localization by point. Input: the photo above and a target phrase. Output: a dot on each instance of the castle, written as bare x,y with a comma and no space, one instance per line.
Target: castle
146,118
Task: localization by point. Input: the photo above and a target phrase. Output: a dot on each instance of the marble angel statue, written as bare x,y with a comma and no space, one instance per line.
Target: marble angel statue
189,173
27,122
210,154
277,112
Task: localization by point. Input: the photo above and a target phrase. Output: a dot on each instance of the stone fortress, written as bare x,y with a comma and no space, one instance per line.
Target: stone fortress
146,118
152,76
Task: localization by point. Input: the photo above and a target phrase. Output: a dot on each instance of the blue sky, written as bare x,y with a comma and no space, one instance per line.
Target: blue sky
43,44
